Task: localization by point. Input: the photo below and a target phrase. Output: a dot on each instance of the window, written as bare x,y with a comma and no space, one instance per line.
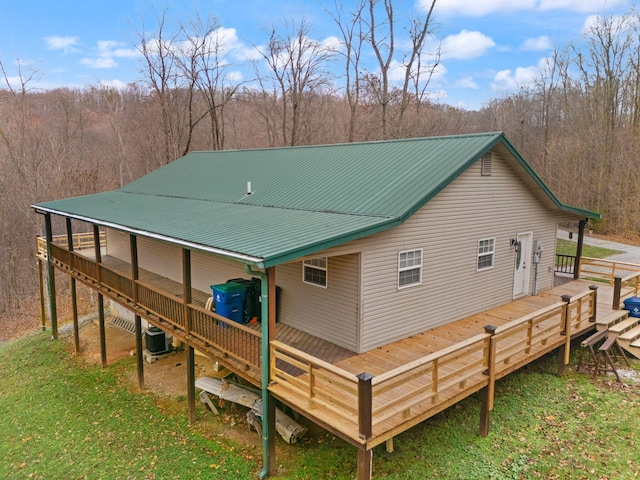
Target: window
486,249
409,268
314,272
485,162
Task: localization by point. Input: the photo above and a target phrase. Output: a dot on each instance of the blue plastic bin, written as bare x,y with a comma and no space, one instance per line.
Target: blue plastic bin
633,305
232,312
228,293
229,300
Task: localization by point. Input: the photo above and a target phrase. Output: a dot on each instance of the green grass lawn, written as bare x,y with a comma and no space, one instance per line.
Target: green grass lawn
568,247
63,419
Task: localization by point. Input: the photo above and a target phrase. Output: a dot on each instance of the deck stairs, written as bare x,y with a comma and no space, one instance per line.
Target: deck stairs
625,329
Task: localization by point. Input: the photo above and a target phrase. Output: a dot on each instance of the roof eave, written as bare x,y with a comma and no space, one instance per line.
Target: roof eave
247,259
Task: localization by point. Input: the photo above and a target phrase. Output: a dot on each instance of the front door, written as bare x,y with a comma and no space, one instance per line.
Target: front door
522,264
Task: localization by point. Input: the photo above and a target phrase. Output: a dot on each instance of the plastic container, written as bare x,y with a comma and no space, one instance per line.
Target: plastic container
231,311
633,305
229,293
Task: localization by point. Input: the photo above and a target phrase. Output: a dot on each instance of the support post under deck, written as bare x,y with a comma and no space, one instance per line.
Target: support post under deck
51,278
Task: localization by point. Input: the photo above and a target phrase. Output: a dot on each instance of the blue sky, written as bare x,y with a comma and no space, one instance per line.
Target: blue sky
489,47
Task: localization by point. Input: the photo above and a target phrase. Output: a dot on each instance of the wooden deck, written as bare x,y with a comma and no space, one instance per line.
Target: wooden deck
461,348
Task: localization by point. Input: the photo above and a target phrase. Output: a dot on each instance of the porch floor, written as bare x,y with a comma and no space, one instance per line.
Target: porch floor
309,344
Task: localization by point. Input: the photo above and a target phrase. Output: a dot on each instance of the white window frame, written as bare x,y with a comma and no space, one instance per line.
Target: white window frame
312,264
482,253
404,267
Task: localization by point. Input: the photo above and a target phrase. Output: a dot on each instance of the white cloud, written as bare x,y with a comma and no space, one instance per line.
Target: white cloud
107,51
574,5
235,76
99,62
509,80
467,82
537,44
66,44
116,84
466,44
478,8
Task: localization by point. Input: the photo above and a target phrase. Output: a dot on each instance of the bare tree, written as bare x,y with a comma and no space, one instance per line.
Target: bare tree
203,60
297,65
352,31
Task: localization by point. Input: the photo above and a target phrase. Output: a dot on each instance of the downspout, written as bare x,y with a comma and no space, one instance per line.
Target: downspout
264,312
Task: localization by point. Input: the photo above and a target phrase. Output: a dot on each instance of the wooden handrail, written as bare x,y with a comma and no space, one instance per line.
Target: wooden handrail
391,374
529,317
310,359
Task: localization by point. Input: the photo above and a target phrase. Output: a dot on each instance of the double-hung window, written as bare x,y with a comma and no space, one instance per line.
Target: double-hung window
314,272
486,251
409,268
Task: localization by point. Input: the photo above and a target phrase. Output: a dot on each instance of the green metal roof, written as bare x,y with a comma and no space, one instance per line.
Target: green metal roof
303,199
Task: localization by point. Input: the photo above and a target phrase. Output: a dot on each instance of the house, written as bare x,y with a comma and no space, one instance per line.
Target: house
367,243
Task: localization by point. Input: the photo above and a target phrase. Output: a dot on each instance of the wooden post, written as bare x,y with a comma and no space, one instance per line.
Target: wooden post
365,464
186,290
72,286
98,255
186,319
617,292
561,366
594,311
487,393
139,359
51,278
133,254
576,267
565,352
98,252
365,406
103,340
191,383
43,311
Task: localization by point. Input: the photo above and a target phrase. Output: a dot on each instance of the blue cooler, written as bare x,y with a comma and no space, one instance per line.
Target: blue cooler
633,305
229,300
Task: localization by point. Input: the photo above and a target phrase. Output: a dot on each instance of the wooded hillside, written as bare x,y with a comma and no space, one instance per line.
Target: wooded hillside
578,126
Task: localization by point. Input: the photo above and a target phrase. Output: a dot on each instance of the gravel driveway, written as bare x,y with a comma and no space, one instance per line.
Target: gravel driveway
629,253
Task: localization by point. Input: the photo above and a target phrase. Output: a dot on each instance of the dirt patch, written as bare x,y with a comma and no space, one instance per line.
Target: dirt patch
166,380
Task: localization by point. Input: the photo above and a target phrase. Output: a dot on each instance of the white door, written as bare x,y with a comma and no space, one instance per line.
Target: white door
522,264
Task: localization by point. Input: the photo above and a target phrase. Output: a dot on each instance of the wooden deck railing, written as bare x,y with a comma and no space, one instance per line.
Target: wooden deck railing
320,382
81,241
222,336
565,263
622,276
605,270
422,383
625,287
431,383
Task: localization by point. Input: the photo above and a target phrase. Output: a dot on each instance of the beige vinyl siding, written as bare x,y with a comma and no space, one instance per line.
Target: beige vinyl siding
329,313
448,228
166,260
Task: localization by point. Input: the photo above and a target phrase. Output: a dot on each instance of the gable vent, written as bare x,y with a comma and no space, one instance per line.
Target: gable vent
485,162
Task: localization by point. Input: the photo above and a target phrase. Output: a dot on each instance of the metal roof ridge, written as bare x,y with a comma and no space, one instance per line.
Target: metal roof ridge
336,212
346,144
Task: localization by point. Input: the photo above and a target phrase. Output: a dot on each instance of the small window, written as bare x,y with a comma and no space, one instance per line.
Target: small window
485,162
314,272
486,250
409,268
